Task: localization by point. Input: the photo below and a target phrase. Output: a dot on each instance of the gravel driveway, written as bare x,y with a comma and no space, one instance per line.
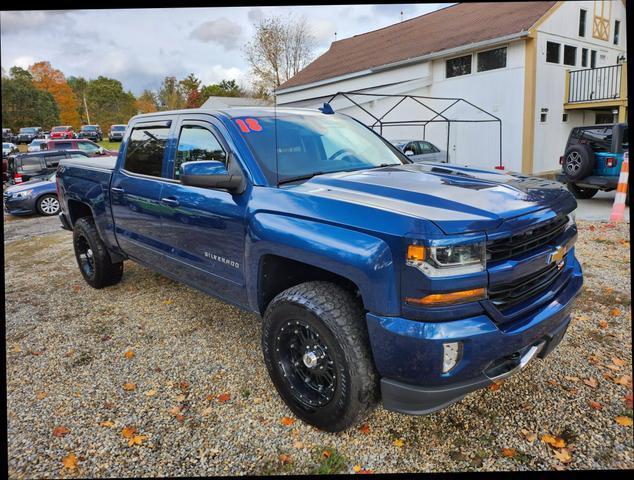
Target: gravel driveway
152,378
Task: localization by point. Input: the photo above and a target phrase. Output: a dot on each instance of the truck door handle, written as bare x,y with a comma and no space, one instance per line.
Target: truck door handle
170,202
117,190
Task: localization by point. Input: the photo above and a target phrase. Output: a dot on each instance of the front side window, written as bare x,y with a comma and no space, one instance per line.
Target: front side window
582,23
552,52
427,147
412,147
311,144
617,28
570,55
492,59
145,150
196,144
458,66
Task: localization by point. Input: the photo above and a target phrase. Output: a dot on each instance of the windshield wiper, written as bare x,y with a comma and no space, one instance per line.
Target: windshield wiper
300,177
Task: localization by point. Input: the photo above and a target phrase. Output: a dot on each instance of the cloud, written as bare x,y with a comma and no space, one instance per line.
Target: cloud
23,62
323,30
221,31
15,22
255,15
216,73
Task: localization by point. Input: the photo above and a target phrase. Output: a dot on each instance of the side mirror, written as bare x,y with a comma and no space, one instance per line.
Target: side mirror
409,153
101,150
212,174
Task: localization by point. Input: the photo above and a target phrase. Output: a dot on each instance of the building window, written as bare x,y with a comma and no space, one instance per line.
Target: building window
459,66
564,117
552,52
602,118
617,28
584,57
593,58
543,117
570,55
492,59
582,23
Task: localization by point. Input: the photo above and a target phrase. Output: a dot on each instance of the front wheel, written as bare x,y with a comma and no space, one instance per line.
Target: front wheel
48,205
581,192
92,256
317,351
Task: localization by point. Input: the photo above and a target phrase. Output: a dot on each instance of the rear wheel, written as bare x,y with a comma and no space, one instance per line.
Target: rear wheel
48,205
581,192
317,351
578,161
92,256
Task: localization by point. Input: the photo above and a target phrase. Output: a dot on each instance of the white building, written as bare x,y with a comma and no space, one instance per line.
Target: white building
541,67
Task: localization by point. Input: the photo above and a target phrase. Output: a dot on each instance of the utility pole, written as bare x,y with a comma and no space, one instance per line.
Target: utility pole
86,108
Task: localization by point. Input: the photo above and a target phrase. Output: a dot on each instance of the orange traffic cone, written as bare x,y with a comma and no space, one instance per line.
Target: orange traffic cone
618,210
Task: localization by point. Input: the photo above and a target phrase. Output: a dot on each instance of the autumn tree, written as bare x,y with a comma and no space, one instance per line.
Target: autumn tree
170,95
23,105
146,102
279,50
51,80
190,86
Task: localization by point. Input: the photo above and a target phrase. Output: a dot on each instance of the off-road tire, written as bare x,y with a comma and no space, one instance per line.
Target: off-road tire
581,192
105,272
338,318
578,161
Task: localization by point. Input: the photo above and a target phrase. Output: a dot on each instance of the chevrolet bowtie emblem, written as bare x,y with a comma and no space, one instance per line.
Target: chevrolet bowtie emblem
557,255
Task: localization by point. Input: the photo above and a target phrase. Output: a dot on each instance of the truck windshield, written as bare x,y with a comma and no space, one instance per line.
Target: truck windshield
27,130
118,128
313,144
88,128
59,129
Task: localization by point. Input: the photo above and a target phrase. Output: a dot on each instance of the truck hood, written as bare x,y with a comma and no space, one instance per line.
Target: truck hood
457,199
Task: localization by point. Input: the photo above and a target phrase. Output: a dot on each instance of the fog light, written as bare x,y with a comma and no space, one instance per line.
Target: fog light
451,355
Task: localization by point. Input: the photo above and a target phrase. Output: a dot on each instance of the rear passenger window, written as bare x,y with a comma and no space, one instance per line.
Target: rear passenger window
62,145
145,150
196,144
31,164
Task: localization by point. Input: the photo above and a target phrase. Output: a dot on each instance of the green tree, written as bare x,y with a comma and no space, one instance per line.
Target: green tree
225,88
170,95
108,103
23,105
79,85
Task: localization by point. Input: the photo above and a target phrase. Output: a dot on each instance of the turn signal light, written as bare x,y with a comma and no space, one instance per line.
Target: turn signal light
415,253
437,299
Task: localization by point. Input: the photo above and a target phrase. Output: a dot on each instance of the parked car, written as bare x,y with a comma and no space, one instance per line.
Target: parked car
8,136
28,134
33,196
116,133
420,150
62,132
593,158
89,147
376,277
91,132
37,165
36,145
8,148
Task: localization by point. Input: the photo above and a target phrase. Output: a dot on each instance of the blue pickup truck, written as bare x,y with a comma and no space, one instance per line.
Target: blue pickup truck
377,279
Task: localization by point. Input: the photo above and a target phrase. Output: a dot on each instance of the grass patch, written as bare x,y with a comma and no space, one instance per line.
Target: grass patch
108,145
332,462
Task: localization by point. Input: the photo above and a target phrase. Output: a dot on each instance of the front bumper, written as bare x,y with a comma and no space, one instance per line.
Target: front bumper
408,353
19,206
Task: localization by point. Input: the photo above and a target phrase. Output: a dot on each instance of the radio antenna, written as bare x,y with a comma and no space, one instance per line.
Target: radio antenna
277,166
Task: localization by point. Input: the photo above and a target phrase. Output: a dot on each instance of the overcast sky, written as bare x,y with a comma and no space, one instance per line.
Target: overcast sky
141,46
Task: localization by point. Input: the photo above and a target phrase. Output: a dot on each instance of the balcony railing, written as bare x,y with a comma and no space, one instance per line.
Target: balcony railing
595,84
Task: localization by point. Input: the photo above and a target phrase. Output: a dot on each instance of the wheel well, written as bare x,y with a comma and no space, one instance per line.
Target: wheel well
277,273
77,210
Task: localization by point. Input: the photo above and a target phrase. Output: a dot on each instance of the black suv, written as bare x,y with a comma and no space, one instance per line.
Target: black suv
28,134
593,158
7,135
92,132
36,165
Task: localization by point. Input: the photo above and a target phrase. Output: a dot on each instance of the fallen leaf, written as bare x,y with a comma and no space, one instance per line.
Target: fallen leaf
175,410
206,411
573,379
495,386
325,453
593,359
70,461
181,398
596,405
509,452
129,386
16,349
614,367
209,397
223,397
36,353
615,312
618,362
591,382
592,228
298,444
365,429
623,420
167,302
285,459
399,442
60,431
184,386
603,323
180,417
624,380
150,393
129,354
563,455
40,395
628,400
555,442
287,421
552,381
356,468
137,440
128,432
107,423
76,288
528,435
364,471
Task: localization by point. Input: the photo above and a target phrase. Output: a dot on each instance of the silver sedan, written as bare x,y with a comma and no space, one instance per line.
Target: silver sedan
420,150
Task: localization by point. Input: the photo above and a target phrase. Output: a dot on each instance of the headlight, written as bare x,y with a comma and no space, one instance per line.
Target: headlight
447,260
23,193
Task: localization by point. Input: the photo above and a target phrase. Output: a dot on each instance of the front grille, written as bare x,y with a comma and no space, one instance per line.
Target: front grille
507,295
527,240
